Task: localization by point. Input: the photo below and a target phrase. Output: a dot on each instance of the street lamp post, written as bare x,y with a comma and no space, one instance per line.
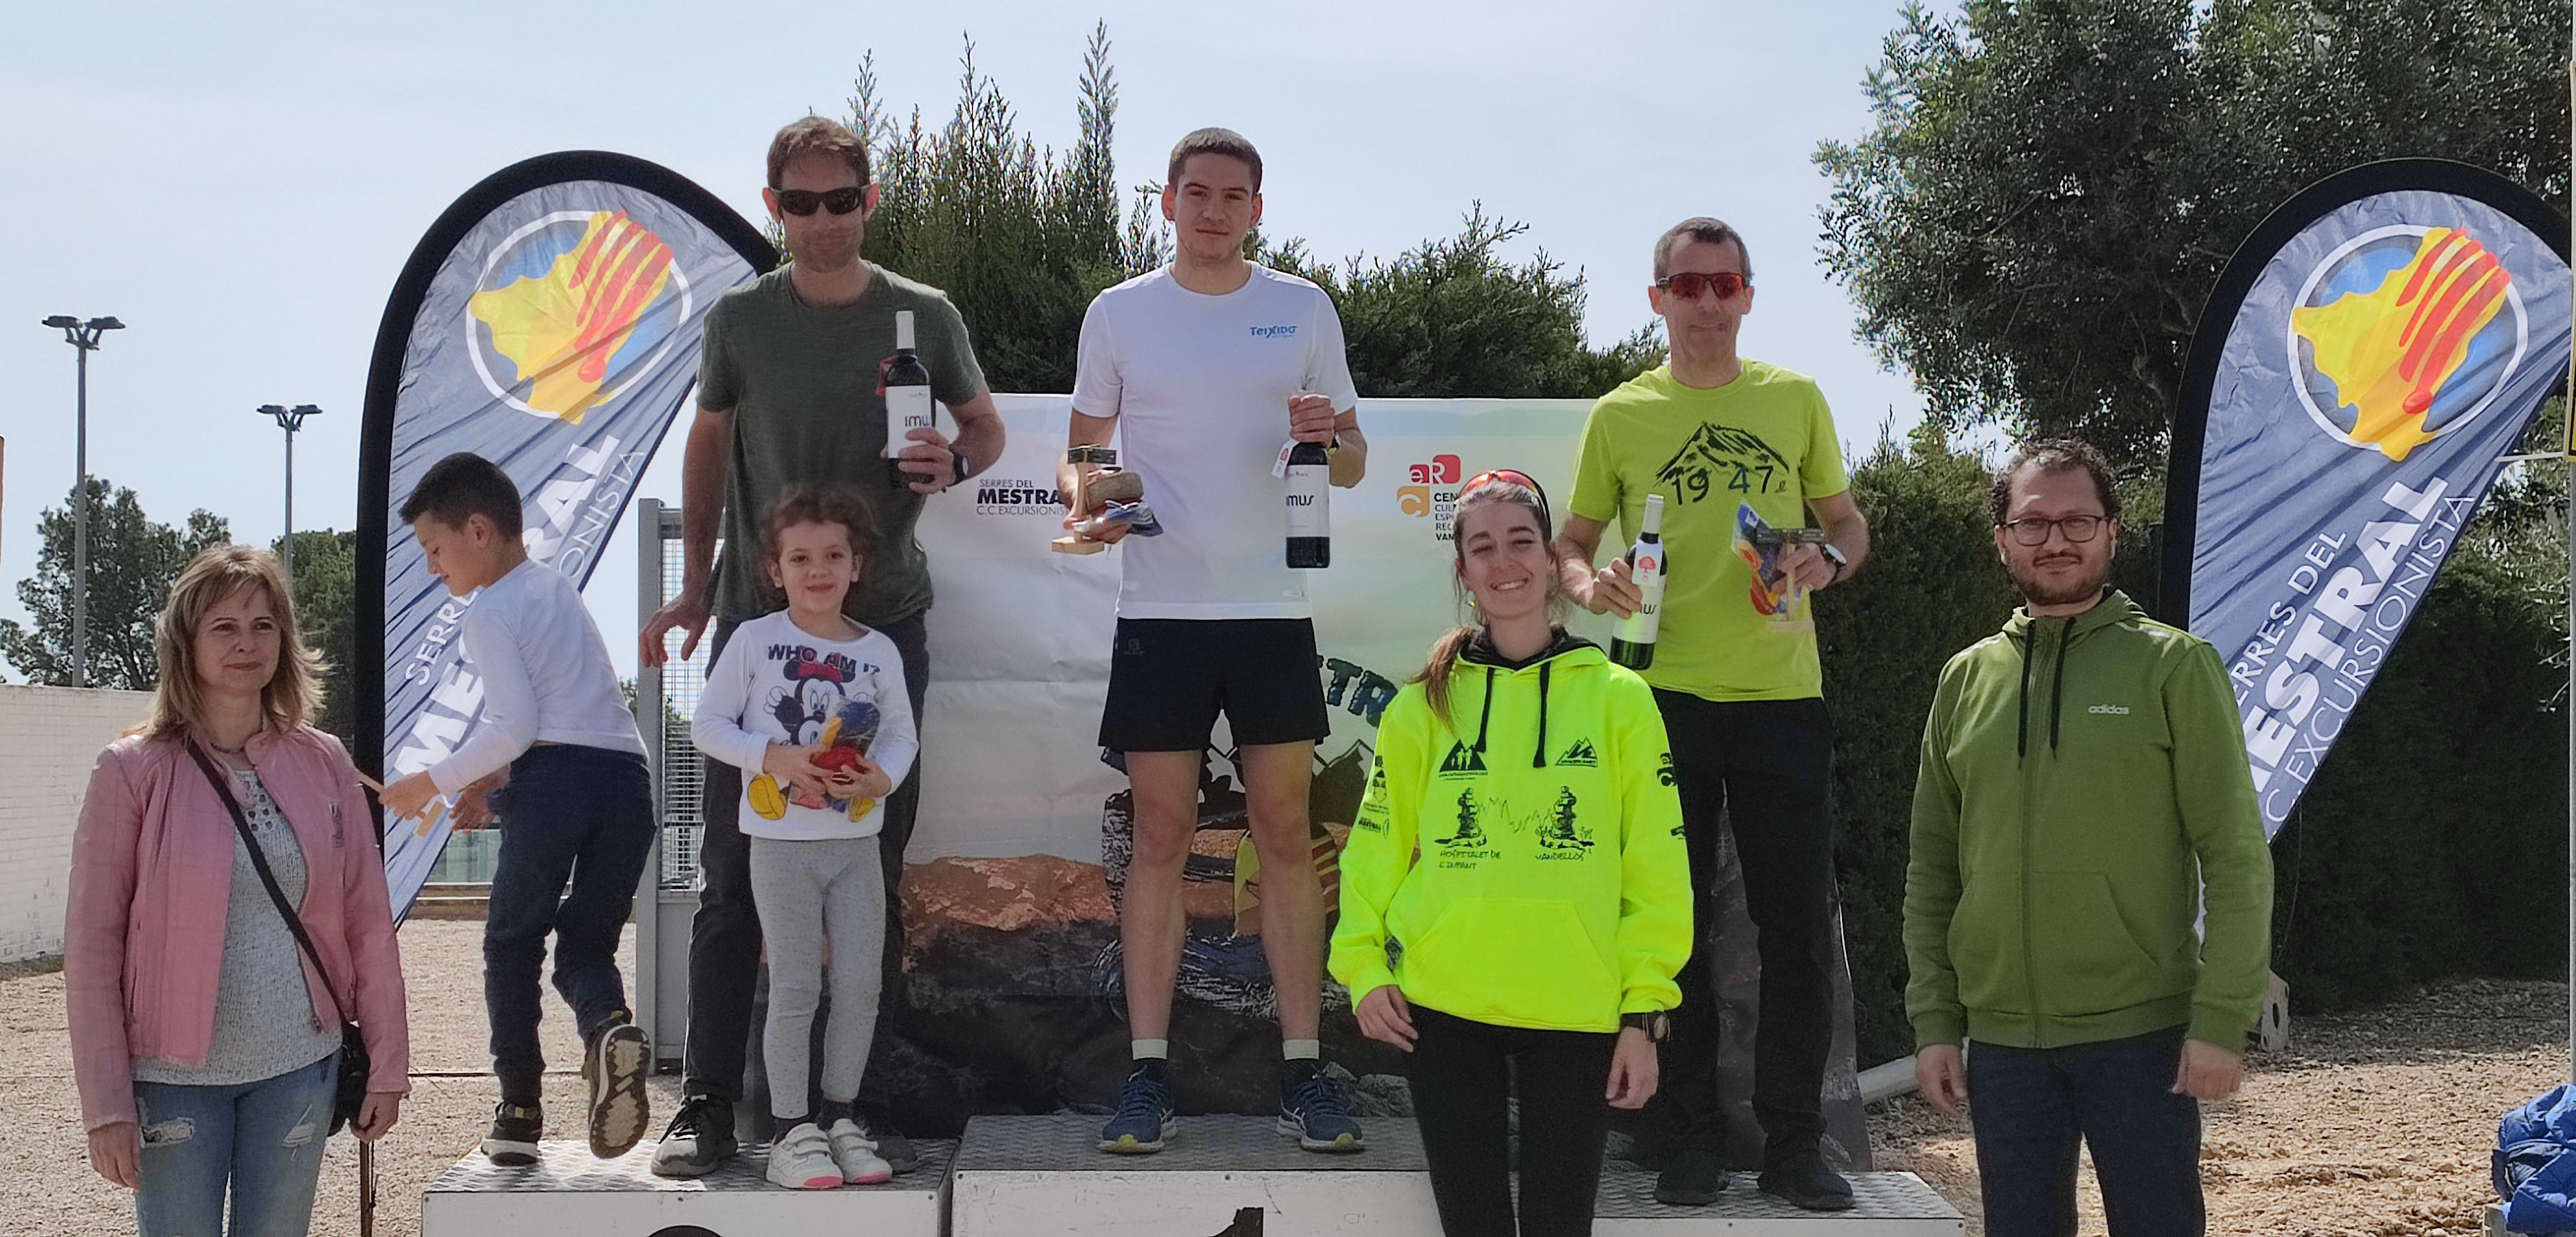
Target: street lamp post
82,336
290,420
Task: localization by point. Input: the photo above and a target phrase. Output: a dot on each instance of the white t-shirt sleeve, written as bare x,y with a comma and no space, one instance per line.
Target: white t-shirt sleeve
1096,385
723,704
1328,362
897,740
510,717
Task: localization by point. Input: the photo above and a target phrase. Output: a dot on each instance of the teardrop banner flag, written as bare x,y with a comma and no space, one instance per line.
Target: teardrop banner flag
2368,357
548,322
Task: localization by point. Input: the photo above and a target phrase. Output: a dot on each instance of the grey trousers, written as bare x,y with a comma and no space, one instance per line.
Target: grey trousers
811,894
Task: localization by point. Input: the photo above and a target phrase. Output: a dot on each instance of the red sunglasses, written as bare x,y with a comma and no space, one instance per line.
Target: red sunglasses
1689,284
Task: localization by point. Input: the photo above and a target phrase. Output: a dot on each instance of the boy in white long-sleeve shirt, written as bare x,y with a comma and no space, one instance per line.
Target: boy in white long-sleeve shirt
578,810
811,707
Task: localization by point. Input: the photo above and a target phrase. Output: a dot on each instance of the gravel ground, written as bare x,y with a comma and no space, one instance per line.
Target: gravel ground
2375,1124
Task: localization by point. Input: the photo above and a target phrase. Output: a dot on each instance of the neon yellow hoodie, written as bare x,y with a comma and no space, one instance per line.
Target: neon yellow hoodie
1523,865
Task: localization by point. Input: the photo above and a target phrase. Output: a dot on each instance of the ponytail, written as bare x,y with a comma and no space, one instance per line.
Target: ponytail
1434,676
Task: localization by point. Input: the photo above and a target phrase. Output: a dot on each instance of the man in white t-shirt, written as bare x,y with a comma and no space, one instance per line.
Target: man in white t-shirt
1208,364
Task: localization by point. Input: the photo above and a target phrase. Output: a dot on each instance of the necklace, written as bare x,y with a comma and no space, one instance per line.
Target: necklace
230,751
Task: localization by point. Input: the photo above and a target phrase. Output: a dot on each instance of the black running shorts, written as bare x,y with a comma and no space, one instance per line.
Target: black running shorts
1169,678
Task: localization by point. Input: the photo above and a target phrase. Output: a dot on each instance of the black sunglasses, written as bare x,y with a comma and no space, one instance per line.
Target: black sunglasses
801,202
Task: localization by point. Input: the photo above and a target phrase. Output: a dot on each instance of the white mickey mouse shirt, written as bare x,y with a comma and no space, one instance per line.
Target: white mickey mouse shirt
777,683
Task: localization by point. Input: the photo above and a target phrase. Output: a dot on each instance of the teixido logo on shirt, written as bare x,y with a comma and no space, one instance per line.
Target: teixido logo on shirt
1273,332
1432,491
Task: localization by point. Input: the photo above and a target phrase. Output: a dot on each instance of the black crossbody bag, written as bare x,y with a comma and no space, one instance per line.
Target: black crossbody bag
354,1065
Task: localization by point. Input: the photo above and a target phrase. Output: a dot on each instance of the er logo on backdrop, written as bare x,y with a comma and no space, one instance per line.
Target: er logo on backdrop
1432,490
568,307
2404,334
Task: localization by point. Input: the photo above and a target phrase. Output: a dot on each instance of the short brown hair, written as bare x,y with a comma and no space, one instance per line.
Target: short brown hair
1225,142
294,689
815,135
1706,231
462,486
2055,455
814,504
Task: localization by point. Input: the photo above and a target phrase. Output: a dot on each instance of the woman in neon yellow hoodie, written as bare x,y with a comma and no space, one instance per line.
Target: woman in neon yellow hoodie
1516,886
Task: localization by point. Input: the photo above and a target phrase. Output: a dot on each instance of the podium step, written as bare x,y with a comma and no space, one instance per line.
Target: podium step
568,1191
1022,1176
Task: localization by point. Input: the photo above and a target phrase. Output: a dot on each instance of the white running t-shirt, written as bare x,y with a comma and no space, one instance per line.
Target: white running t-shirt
1200,386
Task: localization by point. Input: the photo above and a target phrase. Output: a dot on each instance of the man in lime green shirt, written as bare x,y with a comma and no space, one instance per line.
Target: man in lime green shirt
1736,676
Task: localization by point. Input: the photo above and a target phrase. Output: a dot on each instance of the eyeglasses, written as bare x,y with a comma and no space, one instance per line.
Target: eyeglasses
2078,529
1689,284
1510,476
801,202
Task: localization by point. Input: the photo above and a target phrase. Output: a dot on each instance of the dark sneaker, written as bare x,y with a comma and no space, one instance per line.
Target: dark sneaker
1144,1120
1312,1110
891,1145
1804,1181
516,1129
700,1138
615,1066
1692,1177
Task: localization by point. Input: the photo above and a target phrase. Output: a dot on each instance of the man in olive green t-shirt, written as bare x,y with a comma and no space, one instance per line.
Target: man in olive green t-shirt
1736,676
789,395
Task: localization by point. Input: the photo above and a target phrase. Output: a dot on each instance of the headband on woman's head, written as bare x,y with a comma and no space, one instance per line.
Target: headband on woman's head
1512,476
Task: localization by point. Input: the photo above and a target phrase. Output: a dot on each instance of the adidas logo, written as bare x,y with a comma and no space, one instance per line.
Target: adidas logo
1580,754
1463,761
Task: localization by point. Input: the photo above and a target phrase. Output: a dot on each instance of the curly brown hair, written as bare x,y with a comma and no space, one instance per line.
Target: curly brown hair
814,504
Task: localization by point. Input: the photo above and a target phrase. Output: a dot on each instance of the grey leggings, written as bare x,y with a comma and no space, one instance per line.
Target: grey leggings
809,893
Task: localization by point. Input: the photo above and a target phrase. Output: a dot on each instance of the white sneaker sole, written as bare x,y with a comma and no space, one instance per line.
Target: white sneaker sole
510,1154
619,1110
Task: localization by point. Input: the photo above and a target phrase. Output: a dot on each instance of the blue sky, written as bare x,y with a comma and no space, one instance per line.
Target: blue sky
242,183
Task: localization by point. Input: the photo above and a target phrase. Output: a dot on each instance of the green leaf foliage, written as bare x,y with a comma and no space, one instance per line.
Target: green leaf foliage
132,564
325,584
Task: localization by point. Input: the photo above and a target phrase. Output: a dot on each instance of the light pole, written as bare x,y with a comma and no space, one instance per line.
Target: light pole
82,336
290,420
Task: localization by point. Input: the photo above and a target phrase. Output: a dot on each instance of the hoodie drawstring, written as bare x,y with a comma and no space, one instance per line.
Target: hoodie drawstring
2057,693
1538,758
1486,715
2021,730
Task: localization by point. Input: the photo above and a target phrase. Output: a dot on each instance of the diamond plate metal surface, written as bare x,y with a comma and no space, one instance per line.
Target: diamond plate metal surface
1070,1142
569,1167
1630,1195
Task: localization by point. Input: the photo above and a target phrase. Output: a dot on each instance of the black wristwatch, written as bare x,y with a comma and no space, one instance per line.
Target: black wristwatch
957,456
1657,1024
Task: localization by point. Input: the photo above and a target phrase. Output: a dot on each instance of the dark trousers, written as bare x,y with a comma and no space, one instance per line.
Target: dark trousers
2030,1106
573,815
724,938
1462,1072
1766,765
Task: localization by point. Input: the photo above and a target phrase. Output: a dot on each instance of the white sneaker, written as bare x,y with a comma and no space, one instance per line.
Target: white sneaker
803,1160
857,1155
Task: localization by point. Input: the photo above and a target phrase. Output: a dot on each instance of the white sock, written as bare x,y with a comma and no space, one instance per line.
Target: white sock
1149,1049
1301,1049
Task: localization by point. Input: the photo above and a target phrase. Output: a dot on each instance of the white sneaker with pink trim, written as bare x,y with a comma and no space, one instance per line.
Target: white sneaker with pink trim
802,1160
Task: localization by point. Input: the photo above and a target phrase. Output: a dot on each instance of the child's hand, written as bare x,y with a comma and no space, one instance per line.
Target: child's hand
473,805
866,780
408,797
795,767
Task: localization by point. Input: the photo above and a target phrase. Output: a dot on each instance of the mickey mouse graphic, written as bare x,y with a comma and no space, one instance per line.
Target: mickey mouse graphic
815,709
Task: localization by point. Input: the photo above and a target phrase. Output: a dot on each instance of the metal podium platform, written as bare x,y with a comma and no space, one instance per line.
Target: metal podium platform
568,1192
1021,1176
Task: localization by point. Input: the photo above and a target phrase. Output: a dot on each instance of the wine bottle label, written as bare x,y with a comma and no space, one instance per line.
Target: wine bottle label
1648,564
1308,509
907,409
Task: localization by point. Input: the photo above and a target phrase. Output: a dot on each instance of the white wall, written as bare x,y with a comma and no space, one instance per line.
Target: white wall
49,737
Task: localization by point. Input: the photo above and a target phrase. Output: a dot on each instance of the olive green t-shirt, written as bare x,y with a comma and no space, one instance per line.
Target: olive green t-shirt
1765,440
802,383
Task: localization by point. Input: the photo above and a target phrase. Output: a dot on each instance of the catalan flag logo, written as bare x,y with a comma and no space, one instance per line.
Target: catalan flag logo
569,306
2406,335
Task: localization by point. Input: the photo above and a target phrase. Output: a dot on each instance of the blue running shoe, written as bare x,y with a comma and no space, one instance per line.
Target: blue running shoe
1312,1111
1144,1121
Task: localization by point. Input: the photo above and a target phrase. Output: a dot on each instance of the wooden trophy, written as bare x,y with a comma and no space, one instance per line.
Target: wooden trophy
1098,481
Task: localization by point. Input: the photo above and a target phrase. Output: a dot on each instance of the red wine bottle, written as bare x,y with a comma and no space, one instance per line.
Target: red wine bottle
1310,540
907,397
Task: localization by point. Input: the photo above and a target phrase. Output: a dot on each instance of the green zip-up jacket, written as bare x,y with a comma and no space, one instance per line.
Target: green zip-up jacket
1524,861
2084,792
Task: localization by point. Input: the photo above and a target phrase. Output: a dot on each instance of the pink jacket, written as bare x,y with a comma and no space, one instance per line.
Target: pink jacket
152,870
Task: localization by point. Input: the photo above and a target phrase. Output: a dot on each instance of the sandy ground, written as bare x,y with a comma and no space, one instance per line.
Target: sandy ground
2376,1123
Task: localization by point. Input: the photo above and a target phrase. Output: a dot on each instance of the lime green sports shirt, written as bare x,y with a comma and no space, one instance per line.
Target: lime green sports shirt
1765,440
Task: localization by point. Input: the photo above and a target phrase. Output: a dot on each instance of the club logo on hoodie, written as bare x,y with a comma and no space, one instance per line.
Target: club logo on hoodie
1581,754
1463,761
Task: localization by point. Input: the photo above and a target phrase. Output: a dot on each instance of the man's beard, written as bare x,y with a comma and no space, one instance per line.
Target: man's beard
826,256
2036,590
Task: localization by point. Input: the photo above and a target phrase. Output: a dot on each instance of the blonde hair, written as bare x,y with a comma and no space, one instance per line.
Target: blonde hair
294,691
1488,490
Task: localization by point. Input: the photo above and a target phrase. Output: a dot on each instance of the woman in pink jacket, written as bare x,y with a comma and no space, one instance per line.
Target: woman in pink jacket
206,1047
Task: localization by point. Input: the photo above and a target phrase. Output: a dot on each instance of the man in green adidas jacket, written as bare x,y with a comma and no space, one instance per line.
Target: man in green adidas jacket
2084,799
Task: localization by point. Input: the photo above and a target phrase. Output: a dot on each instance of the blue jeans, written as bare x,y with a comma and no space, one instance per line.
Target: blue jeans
2030,1106
262,1138
573,815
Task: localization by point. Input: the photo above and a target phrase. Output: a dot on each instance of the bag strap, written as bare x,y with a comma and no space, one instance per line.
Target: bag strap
259,863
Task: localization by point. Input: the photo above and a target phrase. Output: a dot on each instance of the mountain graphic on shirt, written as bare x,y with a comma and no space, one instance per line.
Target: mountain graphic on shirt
1580,754
1463,761
1726,460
